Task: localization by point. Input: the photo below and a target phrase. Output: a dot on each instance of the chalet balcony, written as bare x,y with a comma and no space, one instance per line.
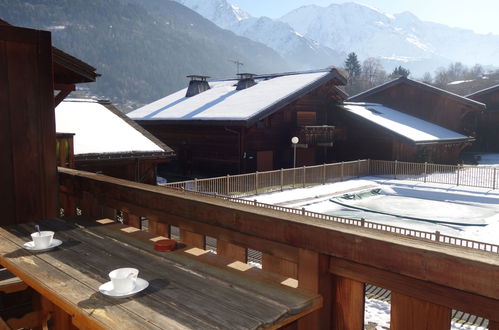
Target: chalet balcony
317,135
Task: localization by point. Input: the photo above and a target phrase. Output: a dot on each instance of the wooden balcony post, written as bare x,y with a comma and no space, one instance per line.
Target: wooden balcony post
313,275
158,228
232,251
324,173
131,220
347,304
410,313
192,239
278,265
282,178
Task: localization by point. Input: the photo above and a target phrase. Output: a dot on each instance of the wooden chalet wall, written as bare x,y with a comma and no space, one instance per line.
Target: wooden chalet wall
27,126
214,149
432,106
133,169
488,124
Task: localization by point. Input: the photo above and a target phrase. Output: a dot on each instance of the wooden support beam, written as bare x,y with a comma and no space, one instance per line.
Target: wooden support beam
132,220
313,275
232,251
64,90
158,228
348,304
409,313
192,239
278,265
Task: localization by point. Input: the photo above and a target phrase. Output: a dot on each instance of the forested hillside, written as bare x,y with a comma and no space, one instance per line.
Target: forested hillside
143,49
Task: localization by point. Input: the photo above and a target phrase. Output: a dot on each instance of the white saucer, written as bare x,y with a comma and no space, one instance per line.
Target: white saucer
107,289
31,246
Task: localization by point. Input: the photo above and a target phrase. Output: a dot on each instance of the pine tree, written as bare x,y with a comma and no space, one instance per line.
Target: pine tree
352,65
400,72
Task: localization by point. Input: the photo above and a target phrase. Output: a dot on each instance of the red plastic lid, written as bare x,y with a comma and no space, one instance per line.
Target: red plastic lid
164,245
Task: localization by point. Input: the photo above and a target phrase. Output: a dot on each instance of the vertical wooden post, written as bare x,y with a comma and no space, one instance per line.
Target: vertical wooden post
457,176
409,313
358,168
131,220
232,251
341,170
348,304
395,169
425,171
324,173
158,228
195,184
368,166
227,186
282,178
192,239
256,182
494,179
313,275
304,176
278,265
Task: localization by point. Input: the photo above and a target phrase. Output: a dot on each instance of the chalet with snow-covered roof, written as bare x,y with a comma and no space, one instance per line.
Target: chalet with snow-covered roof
376,131
427,102
107,141
488,124
246,124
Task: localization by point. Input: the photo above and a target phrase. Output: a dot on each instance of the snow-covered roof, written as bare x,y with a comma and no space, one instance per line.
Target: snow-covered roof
222,102
403,80
414,129
100,130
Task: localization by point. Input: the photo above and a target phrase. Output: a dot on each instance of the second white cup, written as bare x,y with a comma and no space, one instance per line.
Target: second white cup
124,279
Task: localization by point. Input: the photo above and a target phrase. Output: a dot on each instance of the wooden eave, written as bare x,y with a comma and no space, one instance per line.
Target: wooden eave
120,156
70,70
402,80
338,76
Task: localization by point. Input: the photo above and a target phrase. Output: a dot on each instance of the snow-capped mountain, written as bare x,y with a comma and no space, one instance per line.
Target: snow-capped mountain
299,51
219,12
401,38
314,36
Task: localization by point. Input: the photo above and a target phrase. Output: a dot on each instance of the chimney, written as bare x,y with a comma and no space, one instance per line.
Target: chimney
198,84
245,81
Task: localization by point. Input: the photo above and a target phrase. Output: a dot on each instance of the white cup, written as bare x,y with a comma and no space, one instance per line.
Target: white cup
42,239
123,279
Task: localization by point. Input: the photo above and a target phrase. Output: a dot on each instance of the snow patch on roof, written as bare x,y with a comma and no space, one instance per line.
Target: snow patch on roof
223,102
457,82
99,130
412,128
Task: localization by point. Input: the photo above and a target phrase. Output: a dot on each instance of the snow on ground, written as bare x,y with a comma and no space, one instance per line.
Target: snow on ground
452,201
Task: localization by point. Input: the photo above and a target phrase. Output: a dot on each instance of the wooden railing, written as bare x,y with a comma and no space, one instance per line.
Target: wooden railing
427,279
264,182
317,135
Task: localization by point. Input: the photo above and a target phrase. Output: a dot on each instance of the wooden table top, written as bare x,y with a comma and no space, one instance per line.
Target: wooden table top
188,288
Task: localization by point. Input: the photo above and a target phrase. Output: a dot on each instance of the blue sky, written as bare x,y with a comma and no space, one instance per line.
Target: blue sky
478,15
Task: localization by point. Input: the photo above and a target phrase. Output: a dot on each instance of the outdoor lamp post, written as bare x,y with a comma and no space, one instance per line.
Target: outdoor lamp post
294,141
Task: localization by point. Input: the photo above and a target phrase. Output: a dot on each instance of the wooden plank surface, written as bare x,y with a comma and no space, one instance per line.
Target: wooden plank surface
178,296
296,300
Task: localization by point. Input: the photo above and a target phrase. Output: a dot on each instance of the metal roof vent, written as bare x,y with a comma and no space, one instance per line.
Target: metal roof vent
198,84
245,81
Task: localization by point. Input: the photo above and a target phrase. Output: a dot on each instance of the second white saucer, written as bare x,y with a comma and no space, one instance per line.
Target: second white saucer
107,289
